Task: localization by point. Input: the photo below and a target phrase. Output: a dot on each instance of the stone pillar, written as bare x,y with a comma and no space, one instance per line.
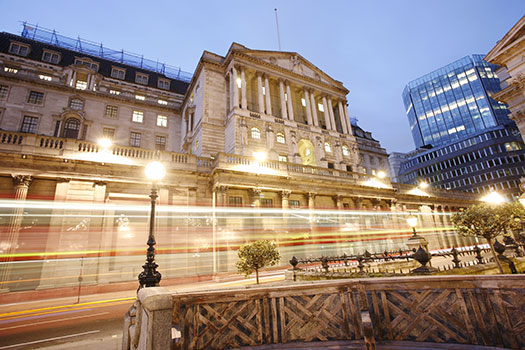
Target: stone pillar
235,94
284,112
221,193
267,95
260,93
21,185
331,114
339,201
285,196
308,106
244,101
326,115
314,109
347,120
290,104
256,197
342,118
311,200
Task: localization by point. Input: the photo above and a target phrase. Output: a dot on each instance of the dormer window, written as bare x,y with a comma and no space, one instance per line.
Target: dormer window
163,84
141,78
118,73
19,49
88,63
76,104
51,57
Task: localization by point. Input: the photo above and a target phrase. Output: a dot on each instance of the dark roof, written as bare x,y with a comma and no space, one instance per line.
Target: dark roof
68,58
357,131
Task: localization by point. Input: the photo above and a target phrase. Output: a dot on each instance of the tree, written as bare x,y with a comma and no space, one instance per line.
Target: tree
255,256
488,221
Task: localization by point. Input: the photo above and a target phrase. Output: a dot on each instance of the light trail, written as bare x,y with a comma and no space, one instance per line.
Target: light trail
49,339
53,321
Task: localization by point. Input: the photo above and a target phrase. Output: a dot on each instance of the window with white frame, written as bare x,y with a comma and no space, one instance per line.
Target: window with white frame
162,120
280,138
346,151
141,78
135,139
111,112
118,73
29,124
162,102
51,57
114,92
45,77
35,98
76,104
87,63
137,117
327,147
19,49
108,133
256,133
3,91
163,84
160,143
140,97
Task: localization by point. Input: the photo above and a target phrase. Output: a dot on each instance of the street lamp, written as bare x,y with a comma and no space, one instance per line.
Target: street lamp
415,241
381,174
412,222
493,198
150,277
105,143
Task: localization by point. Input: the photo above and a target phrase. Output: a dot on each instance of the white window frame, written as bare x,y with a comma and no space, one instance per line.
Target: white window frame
346,150
87,62
162,120
163,84
255,133
327,147
131,138
280,138
118,73
52,54
15,47
137,116
140,77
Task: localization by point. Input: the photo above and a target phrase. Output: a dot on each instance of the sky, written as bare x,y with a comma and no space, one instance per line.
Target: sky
374,47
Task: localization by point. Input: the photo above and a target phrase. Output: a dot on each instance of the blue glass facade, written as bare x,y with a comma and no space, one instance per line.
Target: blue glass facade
454,103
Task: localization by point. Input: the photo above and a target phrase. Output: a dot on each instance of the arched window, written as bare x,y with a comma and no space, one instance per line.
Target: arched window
71,128
256,133
346,151
76,104
280,138
327,147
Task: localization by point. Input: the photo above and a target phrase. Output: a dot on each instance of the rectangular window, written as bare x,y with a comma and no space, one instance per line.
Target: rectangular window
51,57
3,91
45,77
118,73
163,102
10,70
266,202
35,97
114,92
87,63
140,97
283,158
293,203
19,49
320,106
235,201
108,133
162,120
135,139
160,142
163,84
138,117
141,78
29,124
111,112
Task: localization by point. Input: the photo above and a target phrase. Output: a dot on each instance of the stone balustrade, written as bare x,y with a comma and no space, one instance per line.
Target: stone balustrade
476,310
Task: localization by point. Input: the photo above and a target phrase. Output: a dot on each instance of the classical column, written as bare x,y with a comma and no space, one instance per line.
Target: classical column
256,197
244,101
347,119
267,95
311,200
308,106
21,185
285,196
235,94
284,113
339,201
221,192
342,117
290,105
331,114
314,109
326,115
260,93
230,88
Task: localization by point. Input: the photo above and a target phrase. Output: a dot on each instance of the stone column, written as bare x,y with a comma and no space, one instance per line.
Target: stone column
331,114
221,192
290,104
235,94
285,196
244,101
347,119
260,93
21,185
284,113
311,200
256,197
314,109
230,89
326,115
267,95
342,117
308,106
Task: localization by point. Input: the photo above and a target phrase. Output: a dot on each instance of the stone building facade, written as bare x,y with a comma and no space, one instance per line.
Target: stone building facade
373,157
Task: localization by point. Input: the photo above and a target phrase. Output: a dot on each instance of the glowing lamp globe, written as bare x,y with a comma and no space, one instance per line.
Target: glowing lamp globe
105,143
155,171
412,221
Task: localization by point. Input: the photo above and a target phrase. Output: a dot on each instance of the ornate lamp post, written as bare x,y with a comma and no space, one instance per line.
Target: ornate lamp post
150,277
415,241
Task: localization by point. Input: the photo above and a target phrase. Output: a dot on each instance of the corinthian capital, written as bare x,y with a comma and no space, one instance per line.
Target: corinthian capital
22,180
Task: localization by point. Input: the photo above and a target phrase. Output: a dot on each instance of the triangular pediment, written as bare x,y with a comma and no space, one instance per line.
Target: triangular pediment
291,61
514,35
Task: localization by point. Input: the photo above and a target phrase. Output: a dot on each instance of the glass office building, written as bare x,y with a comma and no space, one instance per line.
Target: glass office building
453,103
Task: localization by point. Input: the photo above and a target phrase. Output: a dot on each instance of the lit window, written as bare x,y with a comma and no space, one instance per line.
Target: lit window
285,96
140,97
283,158
163,102
346,152
264,90
51,57
87,63
118,73
256,133
293,203
307,152
327,147
76,104
138,117
134,139
160,142
10,70
19,49
163,84
303,102
114,92
45,77
29,124
111,112
3,91
320,107
141,78
162,120
81,84
108,133
239,83
35,97
280,138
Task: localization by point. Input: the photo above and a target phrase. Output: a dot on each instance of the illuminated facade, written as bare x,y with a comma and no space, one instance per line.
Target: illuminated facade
56,102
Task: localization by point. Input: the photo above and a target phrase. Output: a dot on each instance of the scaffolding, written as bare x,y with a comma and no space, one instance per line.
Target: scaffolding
49,36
